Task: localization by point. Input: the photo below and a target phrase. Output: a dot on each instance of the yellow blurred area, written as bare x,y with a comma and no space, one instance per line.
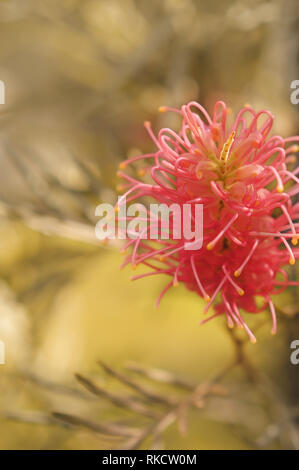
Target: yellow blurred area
100,314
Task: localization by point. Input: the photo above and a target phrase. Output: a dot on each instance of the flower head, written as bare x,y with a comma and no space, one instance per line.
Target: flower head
240,174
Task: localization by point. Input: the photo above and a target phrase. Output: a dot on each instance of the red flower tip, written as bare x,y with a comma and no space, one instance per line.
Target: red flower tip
241,175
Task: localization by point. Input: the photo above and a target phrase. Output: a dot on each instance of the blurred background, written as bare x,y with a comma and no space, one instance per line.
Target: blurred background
80,78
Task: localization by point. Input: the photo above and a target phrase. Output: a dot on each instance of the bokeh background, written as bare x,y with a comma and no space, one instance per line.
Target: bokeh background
81,76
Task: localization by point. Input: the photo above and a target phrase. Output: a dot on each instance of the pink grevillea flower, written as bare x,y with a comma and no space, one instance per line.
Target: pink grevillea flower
247,184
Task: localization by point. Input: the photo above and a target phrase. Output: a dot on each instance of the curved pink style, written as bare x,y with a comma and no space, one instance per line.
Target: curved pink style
247,184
